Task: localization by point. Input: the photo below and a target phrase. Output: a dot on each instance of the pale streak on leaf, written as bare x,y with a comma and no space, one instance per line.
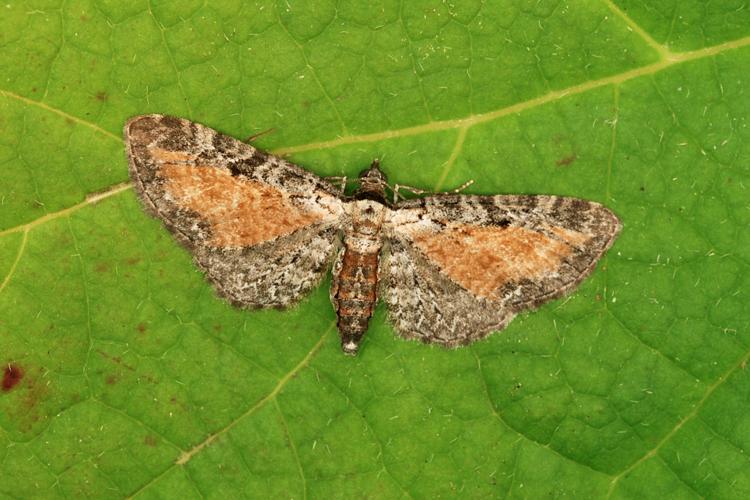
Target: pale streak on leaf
186,456
457,148
522,437
59,112
610,160
664,53
652,452
19,254
90,200
293,447
469,121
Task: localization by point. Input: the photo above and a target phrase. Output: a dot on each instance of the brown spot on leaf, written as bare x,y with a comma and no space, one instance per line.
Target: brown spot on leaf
115,359
141,327
32,389
132,261
12,375
148,378
567,160
150,440
101,267
101,96
111,380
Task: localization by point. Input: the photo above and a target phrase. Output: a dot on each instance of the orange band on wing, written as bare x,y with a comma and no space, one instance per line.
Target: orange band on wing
483,259
240,212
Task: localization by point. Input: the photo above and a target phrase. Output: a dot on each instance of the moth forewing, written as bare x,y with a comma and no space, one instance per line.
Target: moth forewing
264,231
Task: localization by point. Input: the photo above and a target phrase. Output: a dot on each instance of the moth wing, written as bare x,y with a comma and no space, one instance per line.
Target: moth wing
460,267
425,304
263,230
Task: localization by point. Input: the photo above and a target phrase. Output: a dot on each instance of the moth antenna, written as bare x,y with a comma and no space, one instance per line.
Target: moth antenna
259,134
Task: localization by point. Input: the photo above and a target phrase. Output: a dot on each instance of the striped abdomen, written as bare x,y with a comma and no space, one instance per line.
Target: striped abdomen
355,276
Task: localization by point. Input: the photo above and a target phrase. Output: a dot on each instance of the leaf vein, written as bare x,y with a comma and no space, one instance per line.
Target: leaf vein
711,389
14,266
186,456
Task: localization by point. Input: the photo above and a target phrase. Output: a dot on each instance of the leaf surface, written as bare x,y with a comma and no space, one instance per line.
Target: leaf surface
124,375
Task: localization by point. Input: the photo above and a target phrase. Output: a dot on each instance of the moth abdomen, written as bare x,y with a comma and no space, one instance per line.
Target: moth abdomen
355,286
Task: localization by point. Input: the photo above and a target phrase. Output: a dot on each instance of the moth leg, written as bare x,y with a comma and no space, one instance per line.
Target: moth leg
417,191
459,188
413,190
342,179
337,263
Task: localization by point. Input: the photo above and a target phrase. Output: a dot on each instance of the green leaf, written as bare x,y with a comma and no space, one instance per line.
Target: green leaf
124,375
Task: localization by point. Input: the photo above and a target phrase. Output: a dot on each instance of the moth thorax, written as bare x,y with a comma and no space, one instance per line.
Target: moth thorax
362,244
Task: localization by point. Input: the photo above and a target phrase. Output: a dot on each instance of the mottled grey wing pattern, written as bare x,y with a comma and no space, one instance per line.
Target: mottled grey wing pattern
272,274
264,230
425,304
460,267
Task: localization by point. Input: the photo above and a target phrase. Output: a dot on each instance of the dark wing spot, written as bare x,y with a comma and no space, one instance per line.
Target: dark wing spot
580,205
450,201
171,122
529,200
258,158
223,144
290,175
235,170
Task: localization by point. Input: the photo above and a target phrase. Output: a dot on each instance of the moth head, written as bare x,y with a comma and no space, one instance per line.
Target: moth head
372,183
373,174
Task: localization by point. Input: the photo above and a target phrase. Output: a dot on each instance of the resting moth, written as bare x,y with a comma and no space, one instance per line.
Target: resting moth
450,268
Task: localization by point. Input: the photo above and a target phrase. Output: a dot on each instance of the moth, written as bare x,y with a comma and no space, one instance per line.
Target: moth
450,268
